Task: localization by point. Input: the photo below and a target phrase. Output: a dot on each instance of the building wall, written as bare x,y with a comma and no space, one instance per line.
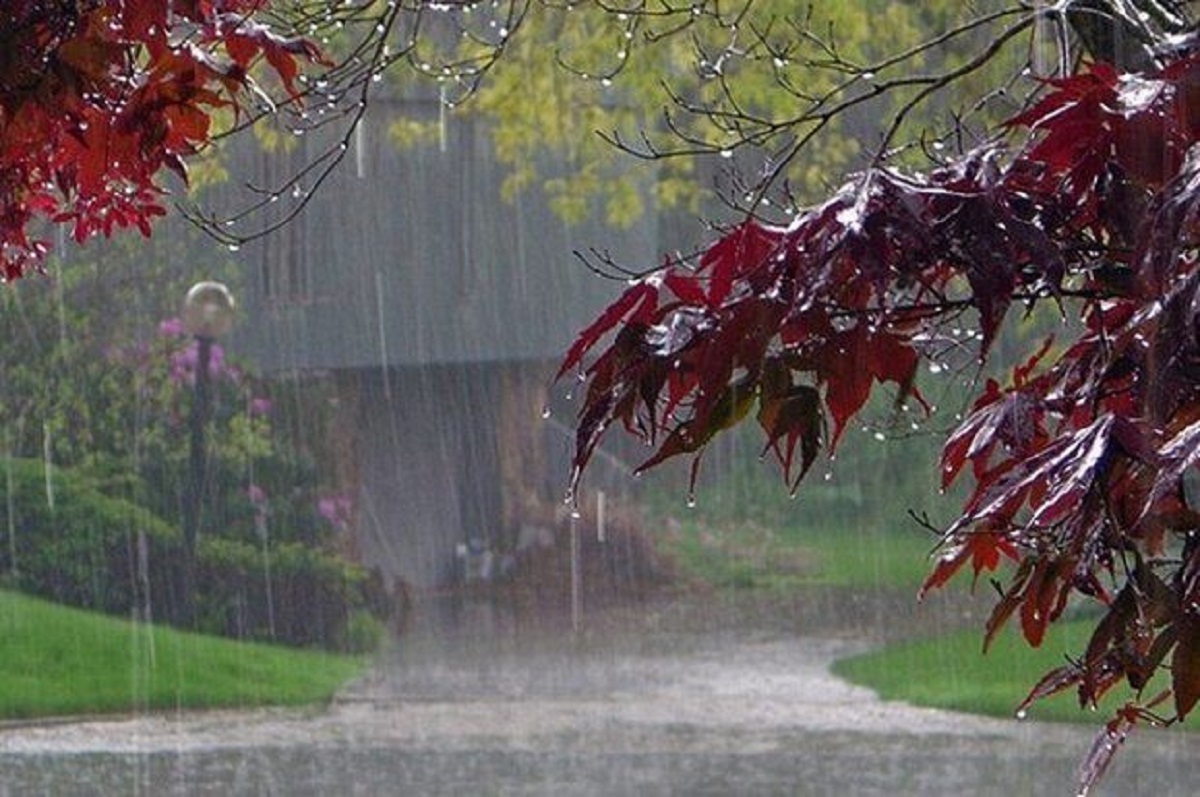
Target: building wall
440,310
409,256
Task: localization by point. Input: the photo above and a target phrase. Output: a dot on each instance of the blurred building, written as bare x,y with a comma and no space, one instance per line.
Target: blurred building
436,313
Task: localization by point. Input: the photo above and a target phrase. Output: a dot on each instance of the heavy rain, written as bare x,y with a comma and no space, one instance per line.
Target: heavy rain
318,488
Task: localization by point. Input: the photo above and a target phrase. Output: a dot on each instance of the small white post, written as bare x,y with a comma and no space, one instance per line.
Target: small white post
600,531
576,577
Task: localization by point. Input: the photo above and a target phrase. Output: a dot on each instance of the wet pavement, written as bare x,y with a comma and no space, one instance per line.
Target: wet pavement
664,705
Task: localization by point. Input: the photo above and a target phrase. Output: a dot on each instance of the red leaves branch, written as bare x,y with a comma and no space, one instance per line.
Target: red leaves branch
97,99
1079,466
839,301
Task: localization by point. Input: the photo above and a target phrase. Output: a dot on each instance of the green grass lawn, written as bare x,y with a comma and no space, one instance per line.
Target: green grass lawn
749,555
61,661
951,672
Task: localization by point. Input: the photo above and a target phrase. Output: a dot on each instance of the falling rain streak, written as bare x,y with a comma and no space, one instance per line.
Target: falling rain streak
383,465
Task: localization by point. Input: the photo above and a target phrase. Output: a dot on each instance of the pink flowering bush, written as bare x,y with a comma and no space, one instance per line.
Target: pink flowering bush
116,413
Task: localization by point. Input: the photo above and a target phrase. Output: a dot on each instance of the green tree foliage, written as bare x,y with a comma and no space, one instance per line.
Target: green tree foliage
686,86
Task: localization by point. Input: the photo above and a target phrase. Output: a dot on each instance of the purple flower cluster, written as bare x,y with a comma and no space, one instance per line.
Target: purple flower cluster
337,510
257,495
259,406
184,361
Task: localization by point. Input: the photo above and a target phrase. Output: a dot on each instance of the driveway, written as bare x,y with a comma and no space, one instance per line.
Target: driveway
684,702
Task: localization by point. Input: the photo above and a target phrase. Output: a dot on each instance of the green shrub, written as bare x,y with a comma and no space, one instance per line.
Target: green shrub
71,544
290,592
364,632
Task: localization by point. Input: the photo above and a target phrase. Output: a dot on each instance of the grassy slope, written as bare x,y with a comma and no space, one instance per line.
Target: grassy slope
59,660
848,526
746,555
951,672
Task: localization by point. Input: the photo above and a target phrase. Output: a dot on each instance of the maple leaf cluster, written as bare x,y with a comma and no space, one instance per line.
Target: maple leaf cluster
1080,465
98,99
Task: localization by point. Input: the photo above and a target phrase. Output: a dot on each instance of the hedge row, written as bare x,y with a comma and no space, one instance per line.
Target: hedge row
64,540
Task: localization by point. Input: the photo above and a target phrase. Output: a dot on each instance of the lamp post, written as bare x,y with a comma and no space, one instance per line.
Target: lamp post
207,315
